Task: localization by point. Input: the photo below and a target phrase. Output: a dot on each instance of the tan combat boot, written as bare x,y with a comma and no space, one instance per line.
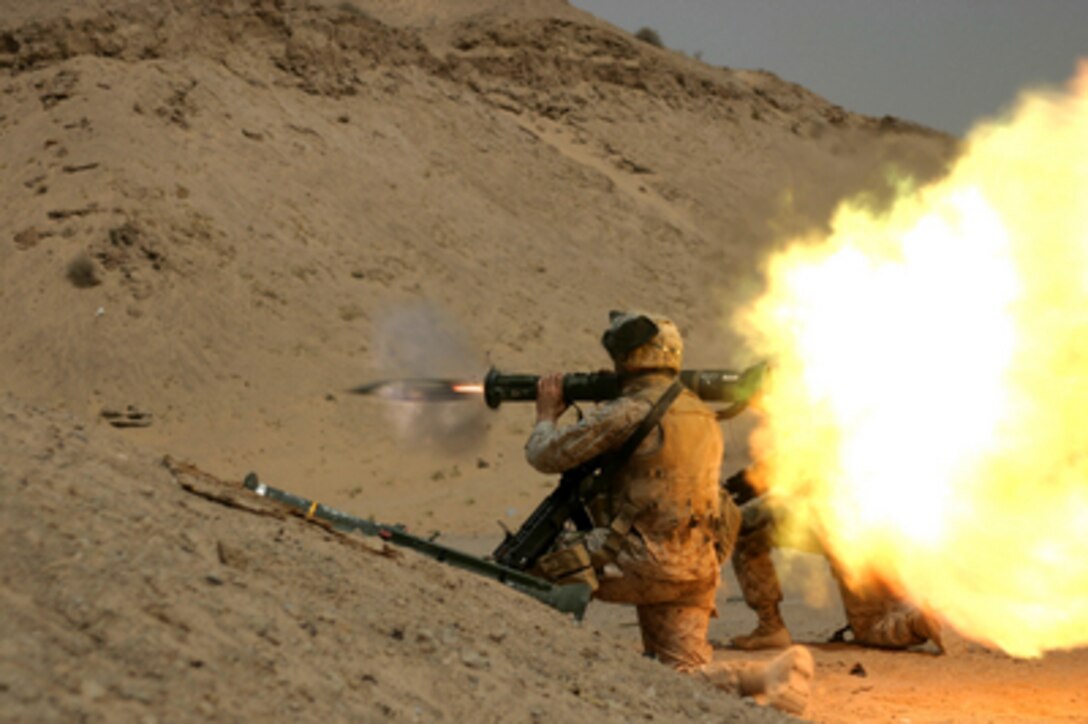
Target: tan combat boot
771,633
928,627
785,681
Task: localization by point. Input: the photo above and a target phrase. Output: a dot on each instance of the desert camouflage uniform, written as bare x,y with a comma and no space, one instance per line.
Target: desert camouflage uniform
877,617
756,574
658,525
667,565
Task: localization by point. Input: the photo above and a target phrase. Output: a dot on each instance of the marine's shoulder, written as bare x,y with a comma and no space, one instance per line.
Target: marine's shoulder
649,389
651,386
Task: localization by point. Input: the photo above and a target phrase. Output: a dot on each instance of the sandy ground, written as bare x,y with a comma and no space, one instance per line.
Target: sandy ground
128,598
133,590
218,216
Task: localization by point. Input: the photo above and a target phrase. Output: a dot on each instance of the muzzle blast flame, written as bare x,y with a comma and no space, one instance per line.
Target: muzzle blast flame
928,415
422,390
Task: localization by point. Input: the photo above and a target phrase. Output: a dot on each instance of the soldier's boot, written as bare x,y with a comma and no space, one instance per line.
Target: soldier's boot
770,633
785,681
928,627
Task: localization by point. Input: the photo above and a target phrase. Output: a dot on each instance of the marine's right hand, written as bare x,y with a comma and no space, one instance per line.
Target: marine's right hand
549,397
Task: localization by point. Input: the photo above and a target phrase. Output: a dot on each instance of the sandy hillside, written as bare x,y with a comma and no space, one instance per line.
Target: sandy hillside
220,215
277,201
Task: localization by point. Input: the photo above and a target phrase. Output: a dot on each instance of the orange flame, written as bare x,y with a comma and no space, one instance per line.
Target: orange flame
469,388
928,412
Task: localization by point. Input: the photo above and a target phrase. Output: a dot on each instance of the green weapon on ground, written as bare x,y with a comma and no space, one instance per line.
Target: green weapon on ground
571,599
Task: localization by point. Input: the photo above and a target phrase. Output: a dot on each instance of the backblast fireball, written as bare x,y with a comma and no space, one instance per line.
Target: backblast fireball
928,413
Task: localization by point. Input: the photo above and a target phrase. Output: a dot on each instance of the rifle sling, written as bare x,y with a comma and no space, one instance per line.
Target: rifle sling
648,423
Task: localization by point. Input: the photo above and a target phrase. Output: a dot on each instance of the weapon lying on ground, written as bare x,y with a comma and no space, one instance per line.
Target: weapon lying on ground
571,599
723,386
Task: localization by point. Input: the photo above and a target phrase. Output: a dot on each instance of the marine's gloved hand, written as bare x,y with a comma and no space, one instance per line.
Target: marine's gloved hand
594,539
756,514
549,397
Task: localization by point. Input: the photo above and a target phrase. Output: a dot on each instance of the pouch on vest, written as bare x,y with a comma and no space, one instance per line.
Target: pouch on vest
568,565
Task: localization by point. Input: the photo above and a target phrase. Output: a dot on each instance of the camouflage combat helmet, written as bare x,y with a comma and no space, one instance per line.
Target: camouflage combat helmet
639,341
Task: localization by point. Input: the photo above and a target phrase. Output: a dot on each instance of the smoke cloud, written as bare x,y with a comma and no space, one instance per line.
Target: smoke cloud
421,340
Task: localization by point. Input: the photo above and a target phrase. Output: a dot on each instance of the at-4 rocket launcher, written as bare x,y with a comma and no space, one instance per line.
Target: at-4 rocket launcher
727,387
723,386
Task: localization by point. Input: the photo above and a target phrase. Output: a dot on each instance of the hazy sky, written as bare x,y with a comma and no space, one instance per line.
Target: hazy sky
944,63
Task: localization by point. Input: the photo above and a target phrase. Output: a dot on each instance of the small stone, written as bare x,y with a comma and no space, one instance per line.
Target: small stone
426,641
92,690
27,238
474,659
858,670
448,636
374,545
82,271
231,556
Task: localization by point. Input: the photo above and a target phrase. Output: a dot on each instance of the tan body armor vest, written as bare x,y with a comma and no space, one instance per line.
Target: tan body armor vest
669,490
